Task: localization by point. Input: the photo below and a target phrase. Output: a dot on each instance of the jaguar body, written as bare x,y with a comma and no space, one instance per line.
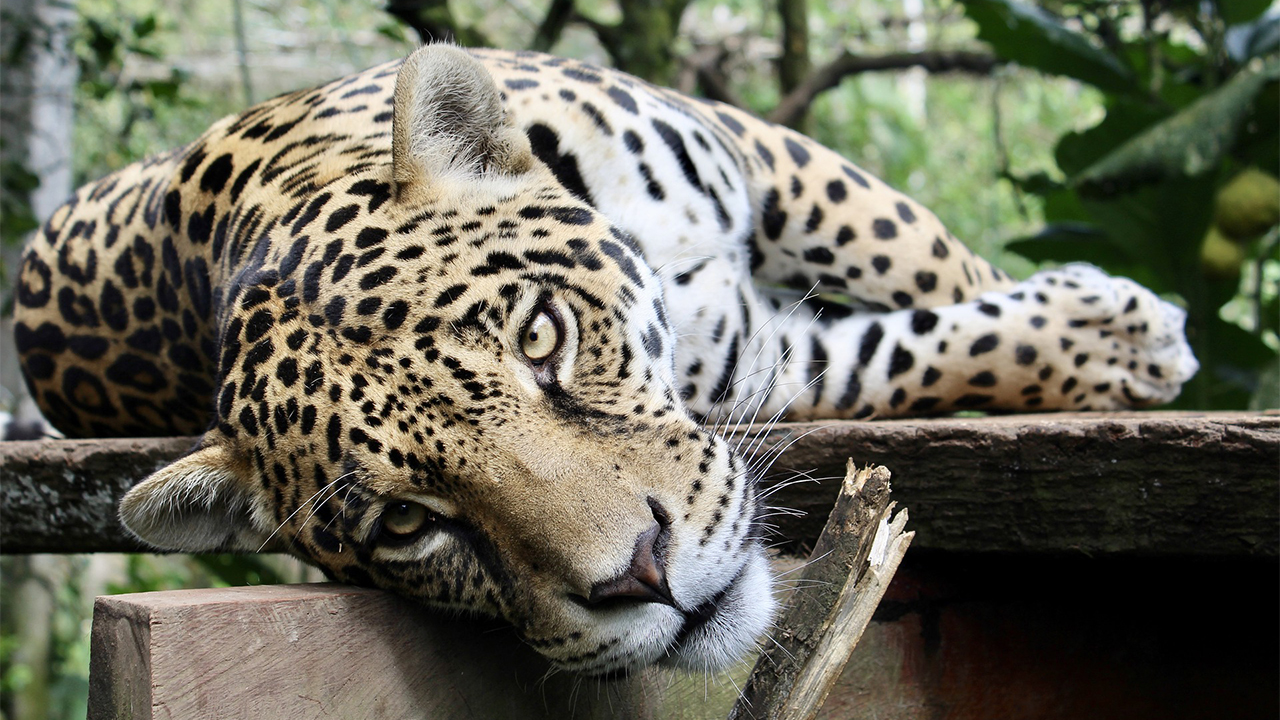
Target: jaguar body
454,327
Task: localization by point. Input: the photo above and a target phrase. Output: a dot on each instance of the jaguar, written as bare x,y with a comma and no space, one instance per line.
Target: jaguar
471,326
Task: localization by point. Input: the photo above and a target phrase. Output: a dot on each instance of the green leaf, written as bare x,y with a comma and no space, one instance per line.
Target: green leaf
1235,12
1189,143
142,27
1070,242
1125,118
1161,226
236,570
1032,37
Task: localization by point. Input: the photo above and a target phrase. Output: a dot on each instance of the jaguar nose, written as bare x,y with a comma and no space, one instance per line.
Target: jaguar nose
646,579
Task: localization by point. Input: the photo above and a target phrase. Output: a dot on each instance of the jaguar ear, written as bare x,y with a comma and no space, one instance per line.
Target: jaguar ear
449,120
201,503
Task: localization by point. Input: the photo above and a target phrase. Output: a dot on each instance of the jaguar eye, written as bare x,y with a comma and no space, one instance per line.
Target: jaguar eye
541,337
404,518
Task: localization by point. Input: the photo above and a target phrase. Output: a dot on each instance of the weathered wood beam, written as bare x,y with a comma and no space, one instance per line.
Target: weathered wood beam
1159,483
1162,483
328,651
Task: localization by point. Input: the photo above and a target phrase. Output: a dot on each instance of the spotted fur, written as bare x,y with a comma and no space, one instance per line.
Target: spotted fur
501,291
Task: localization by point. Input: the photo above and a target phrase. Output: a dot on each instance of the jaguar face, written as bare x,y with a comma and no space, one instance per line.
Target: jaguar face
475,408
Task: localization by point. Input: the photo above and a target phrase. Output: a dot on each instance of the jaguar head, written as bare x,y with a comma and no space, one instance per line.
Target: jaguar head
479,411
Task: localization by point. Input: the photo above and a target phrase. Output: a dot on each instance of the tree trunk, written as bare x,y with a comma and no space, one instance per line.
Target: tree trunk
434,22
37,79
794,65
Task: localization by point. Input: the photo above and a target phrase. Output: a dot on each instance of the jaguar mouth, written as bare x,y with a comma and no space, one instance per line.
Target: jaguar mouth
725,628
697,618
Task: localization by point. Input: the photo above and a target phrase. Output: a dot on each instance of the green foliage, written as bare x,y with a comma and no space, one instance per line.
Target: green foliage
1008,26
113,100
1189,107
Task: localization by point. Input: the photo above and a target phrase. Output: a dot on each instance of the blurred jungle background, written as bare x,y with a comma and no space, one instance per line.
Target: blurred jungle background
1138,135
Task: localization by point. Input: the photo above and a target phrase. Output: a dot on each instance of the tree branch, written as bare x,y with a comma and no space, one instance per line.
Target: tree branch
797,102
434,22
559,13
704,69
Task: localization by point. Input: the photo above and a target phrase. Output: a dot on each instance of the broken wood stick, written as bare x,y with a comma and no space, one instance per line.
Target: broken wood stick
846,576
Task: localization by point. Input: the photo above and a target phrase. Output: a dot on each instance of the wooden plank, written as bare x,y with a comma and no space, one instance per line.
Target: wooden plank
1162,483
60,496
326,651
1135,483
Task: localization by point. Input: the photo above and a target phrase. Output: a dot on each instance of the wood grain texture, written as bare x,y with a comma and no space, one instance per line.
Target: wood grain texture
843,581
1159,483
1136,483
316,651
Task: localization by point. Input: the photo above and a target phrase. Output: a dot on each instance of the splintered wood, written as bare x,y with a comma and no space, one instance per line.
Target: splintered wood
841,585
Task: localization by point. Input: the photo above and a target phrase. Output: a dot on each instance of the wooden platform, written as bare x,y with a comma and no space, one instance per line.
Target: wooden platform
1104,566
1160,483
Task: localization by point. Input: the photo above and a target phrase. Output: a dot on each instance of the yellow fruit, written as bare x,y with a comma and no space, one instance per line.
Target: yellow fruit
1220,257
1248,205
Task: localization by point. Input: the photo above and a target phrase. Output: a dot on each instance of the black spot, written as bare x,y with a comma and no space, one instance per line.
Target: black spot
520,83
903,299
378,278
623,260
931,376
901,361
815,219
334,309
773,218
884,229
845,236
904,212
817,368
855,176
989,309
764,154
216,175
393,317
581,75
597,117
624,99
983,379
924,404
851,393
1038,321
340,217
36,297
1080,359
797,152
984,344
86,392
926,281
76,310
940,250
973,400
881,263
675,142
836,191
923,321
450,295
728,121
819,255
870,341
546,147
47,336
